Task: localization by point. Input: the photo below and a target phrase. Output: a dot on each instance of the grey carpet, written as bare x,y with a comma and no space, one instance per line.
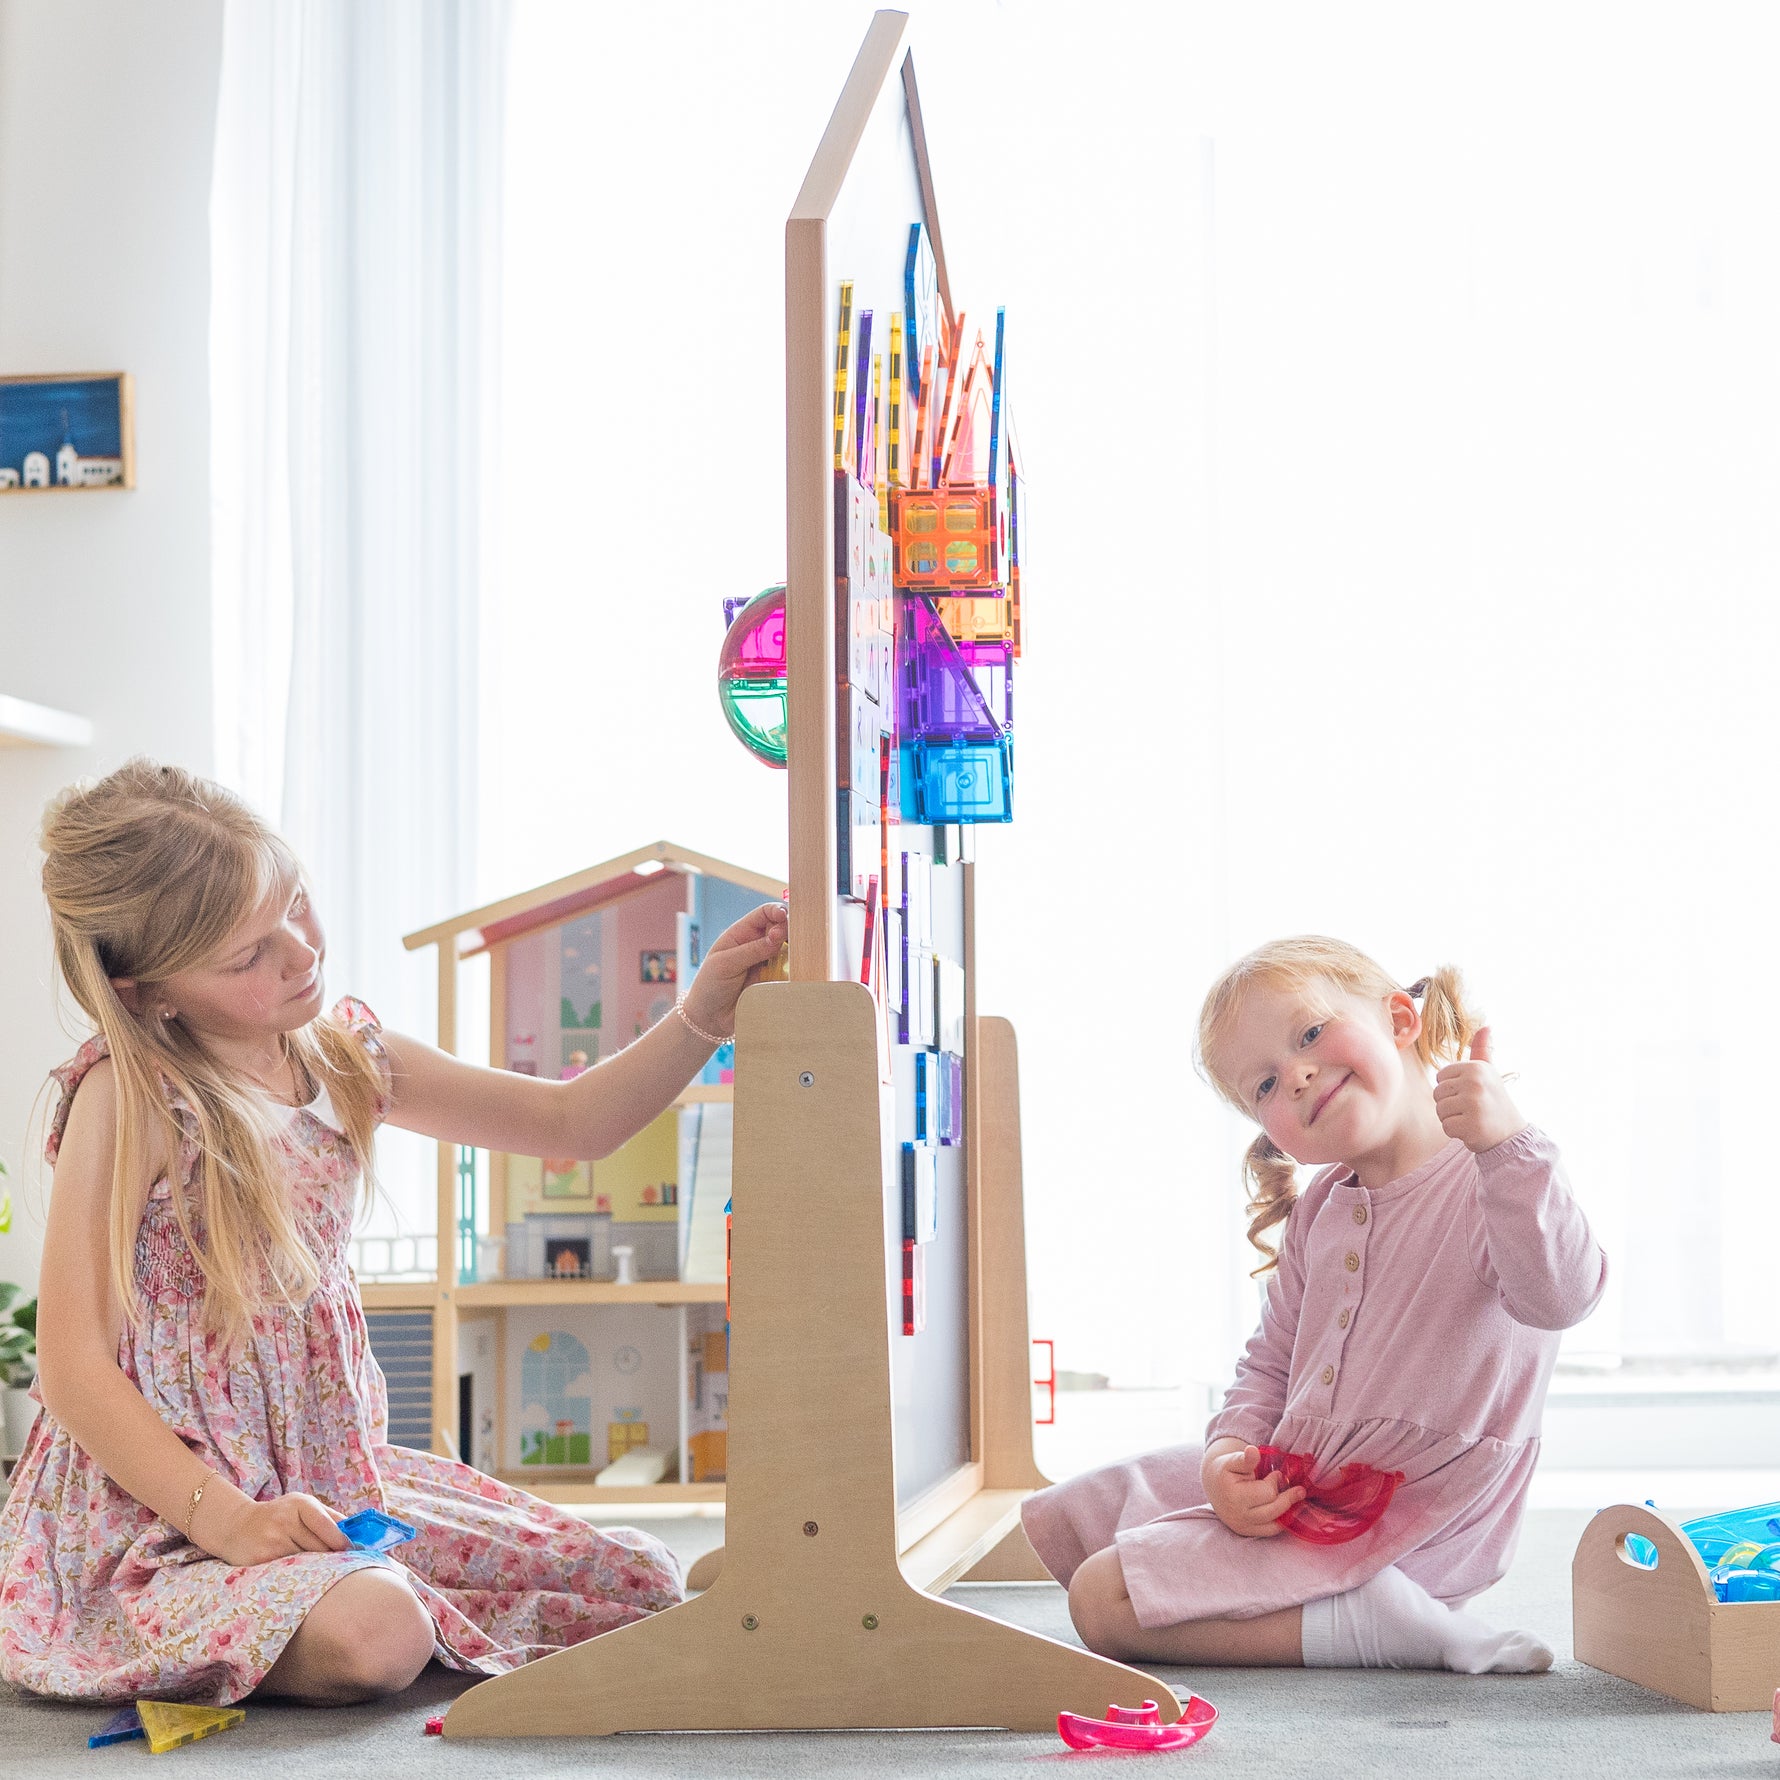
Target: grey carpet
1280,1724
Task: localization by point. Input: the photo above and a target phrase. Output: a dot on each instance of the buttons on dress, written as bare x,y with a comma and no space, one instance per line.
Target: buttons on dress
1328,1375
1359,1214
1352,1263
1341,1321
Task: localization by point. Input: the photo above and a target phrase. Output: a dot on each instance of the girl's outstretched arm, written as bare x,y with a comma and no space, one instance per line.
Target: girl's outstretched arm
496,1109
79,1326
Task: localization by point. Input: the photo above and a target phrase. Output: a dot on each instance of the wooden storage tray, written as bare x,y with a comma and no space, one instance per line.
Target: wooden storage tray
1665,1628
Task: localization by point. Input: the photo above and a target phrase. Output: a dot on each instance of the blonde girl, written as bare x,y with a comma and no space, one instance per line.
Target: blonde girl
1410,1323
210,1405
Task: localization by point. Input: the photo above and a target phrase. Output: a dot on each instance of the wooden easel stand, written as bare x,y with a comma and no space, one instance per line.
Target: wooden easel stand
811,1623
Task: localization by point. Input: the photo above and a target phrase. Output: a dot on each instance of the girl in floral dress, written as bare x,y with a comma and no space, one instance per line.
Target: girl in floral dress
210,1404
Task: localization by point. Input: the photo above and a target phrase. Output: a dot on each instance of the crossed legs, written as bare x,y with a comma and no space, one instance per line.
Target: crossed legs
1386,1622
1106,1622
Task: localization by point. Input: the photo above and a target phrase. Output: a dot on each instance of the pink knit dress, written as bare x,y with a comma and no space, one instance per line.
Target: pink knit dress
1413,1328
102,1599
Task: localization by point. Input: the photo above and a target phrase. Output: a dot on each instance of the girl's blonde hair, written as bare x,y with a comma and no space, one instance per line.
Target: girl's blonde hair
1306,963
148,872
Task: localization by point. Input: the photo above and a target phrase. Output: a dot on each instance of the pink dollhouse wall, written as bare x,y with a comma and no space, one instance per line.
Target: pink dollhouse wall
640,923
558,976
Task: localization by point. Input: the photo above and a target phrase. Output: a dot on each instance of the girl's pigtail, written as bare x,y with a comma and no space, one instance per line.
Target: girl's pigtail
1447,1024
1272,1179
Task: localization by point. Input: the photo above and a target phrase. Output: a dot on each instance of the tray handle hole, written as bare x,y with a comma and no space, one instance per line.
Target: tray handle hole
1636,1550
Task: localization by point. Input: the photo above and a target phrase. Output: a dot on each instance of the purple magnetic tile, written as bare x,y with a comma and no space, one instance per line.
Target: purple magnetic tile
902,1012
951,1097
939,694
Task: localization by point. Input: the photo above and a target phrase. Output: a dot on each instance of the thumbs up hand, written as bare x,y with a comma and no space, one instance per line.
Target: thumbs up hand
1472,1102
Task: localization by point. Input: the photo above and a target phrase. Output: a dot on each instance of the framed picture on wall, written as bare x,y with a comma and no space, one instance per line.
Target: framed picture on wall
67,431
567,1179
659,967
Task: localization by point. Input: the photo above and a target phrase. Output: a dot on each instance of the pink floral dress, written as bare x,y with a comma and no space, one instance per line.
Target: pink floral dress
102,1599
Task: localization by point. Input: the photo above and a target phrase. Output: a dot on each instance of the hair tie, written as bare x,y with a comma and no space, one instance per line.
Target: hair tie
1418,988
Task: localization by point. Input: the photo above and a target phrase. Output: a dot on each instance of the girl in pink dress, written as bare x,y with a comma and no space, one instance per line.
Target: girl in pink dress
210,1404
1410,1325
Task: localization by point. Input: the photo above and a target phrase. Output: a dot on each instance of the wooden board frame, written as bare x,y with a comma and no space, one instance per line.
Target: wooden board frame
809,513
857,191
812,1622
818,1615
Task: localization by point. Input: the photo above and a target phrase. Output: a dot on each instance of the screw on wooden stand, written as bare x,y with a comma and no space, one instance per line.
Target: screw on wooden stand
749,1622
806,1080
870,1622
810,1529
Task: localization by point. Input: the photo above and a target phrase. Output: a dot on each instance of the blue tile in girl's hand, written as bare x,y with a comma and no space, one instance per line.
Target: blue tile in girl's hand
371,1531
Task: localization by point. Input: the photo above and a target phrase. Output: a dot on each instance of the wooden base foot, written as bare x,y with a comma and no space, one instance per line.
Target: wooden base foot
878,1657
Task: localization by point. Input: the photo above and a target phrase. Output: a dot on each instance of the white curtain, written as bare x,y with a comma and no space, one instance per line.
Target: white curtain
355,350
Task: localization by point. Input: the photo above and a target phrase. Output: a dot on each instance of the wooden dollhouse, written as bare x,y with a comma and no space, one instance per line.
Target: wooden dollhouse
572,1339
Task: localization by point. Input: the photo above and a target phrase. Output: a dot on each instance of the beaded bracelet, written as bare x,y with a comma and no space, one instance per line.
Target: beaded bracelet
710,1038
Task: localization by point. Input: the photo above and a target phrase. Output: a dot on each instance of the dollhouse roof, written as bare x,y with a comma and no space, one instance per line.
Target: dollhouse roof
496,922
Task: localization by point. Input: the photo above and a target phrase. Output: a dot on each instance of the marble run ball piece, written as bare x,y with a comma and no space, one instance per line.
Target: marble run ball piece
1744,1585
1135,1728
1733,1542
1336,1509
751,677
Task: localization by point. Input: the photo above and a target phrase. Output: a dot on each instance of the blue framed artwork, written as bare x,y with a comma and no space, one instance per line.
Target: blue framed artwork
67,432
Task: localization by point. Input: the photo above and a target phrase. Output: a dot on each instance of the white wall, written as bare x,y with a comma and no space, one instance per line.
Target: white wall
106,118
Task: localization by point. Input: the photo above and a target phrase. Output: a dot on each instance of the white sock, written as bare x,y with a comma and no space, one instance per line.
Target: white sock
1394,1623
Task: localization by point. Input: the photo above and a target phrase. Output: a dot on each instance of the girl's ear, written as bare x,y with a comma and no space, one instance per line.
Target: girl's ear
1405,1017
128,994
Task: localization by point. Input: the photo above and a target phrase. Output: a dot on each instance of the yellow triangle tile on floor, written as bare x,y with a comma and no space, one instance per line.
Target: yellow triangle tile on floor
170,1725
